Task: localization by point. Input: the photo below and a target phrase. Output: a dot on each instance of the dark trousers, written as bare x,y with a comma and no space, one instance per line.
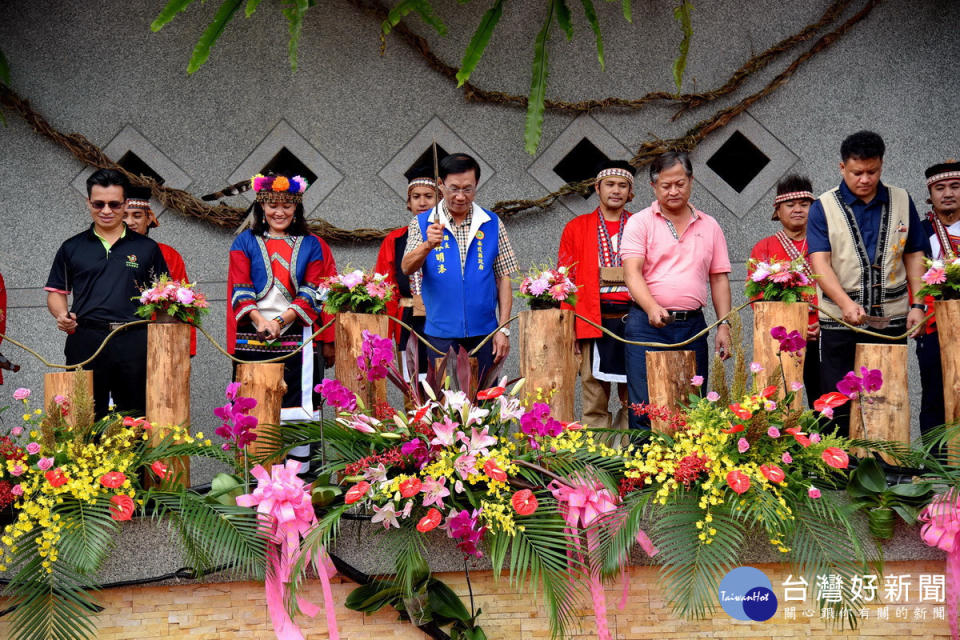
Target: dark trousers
838,348
484,356
120,370
931,382
811,372
639,329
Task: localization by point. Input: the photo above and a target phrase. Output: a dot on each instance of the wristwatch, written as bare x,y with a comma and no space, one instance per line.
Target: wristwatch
917,305
505,331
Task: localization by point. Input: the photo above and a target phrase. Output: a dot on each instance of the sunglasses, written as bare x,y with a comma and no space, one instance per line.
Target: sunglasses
115,205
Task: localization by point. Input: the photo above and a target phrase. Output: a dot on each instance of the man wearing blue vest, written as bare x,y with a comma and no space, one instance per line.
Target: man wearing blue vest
466,261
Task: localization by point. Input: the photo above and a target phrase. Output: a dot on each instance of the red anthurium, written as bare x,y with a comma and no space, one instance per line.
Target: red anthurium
493,471
56,477
121,507
772,472
429,521
734,428
356,492
491,393
524,502
835,457
409,487
421,412
799,436
740,412
830,400
769,391
159,468
113,479
738,481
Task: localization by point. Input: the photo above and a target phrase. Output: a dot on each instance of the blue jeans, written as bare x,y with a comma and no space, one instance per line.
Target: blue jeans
639,329
484,356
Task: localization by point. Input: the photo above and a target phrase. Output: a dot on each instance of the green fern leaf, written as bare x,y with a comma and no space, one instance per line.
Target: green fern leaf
88,533
168,13
627,10
403,8
564,19
682,15
295,15
210,35
479,42
251,7
538,85
590,11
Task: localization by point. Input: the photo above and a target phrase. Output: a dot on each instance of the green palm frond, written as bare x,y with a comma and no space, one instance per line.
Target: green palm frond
88,533
212,534
320,537
691,570
617,533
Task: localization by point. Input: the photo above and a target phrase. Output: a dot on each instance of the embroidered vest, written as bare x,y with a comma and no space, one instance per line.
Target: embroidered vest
881,287
461,302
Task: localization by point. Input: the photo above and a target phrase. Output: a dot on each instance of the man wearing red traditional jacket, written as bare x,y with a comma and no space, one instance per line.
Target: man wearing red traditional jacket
791,207
138,216
590,246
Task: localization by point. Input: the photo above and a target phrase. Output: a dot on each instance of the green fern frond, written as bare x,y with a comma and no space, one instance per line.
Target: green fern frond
210,35
169,12
538,84
479,42
88,533
294,14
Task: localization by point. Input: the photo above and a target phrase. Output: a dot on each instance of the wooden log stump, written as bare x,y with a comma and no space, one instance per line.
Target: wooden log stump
948,326
264,383
668,381
887,412
349,341
547,360
62,384
168,388
793,317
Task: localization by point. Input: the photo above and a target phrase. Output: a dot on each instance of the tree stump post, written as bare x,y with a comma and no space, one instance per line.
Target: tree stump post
168,387
948,326
264,383
668,381
793,317
547,360
349,341
887,412
61,384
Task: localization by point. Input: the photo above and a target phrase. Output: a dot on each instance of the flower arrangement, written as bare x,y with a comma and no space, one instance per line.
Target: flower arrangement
73,484
178,299
357,291
779,280
279,184
550,286
942,279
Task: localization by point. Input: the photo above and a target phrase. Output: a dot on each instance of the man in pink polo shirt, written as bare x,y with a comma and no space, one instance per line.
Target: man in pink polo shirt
669,252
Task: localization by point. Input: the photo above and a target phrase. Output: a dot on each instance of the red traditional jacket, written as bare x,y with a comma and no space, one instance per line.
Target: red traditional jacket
387,260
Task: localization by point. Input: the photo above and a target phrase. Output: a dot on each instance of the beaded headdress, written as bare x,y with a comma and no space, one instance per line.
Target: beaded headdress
278,188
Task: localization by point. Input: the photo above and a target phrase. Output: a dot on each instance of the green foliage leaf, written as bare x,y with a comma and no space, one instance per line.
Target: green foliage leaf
627,10
224,488
213,31
88,533
295,14
168,13
403,8
251,7
479,42
590,11
445,602
564,18
538,85
372,597
682,15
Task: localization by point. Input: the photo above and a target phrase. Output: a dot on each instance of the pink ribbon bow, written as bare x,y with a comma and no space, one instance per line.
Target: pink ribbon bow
283,500
941,528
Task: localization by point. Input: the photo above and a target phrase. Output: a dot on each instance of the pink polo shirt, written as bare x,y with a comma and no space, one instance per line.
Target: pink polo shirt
676,270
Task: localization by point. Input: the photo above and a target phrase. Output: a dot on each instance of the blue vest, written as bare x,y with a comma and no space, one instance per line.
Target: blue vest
461,303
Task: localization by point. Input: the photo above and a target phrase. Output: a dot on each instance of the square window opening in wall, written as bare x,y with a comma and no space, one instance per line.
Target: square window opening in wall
285,162
425,161
135,165
580,163
738,161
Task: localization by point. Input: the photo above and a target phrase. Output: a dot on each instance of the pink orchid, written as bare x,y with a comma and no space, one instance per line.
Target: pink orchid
465,465
434,491
445,432
375,475
386,514
363,423
478,441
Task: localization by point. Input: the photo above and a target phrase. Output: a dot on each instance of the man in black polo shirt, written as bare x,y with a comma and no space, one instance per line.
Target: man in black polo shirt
104,267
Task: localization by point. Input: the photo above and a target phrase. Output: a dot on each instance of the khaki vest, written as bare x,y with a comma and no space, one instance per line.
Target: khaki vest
881,291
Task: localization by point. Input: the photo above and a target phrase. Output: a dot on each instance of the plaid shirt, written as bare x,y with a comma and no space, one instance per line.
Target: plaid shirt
503,266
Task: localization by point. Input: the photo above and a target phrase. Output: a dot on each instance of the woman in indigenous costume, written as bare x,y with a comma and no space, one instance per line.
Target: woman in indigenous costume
275,268
791,206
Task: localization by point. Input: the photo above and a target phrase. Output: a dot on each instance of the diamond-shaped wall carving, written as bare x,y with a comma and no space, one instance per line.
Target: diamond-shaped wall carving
286,150
743,155
576,152
418,150
136,154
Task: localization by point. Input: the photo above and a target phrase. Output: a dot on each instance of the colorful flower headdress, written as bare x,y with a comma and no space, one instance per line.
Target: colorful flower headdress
279,188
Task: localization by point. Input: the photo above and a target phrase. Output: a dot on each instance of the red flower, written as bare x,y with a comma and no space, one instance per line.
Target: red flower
830,400
493,471
769,391
799,436
835,457
409,487
421,412
429,521
738,481
772,472
740,412
734,428
491,393
113,480
56,477
122,508
357,491
524,502
159,468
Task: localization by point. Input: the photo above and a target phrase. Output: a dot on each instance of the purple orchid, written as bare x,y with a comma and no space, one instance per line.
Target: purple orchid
237,426
376,353
336,394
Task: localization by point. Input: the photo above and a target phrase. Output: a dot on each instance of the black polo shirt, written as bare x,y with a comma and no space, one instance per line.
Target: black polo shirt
105,280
